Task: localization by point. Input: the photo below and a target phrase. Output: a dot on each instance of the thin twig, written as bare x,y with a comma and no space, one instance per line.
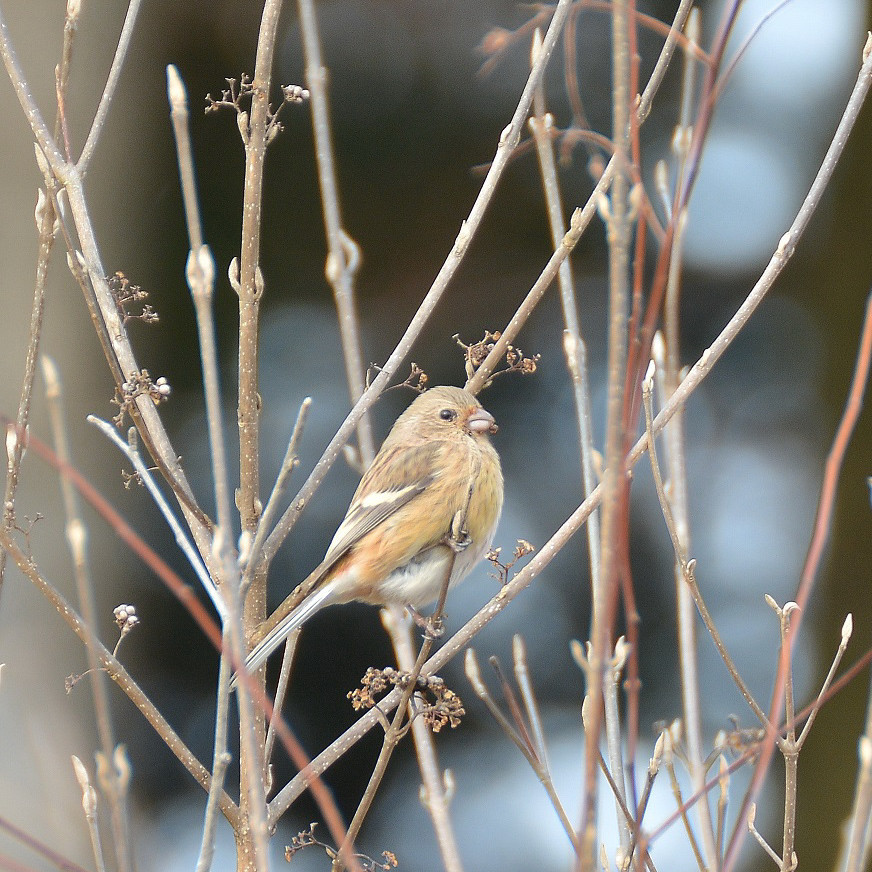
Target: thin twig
682,806
612,718
45,219
688,566
531,746
521,669
174,583
577,225
200,274
675,455
653,770
220,759
847,630
109,89
619,221
252,845
290,649
289,462
662,65
723,803
77,539
33,844
743,48
752,813
178,99
433,792
787,744
343,255
397,728
616,792
574,345
250,279
473,675
856,844
89,806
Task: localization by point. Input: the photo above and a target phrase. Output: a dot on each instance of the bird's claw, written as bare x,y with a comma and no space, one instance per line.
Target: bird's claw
434,628
459,541
431,625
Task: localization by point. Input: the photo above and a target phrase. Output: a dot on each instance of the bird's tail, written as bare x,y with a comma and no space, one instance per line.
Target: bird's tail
315,601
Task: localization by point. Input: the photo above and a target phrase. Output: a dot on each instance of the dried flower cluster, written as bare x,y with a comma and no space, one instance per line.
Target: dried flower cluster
437,704
139,384
126,295
241,91
417,379
522,549
306,839
476,353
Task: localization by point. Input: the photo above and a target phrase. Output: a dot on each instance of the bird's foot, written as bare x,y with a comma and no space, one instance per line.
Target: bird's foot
431,625
458,541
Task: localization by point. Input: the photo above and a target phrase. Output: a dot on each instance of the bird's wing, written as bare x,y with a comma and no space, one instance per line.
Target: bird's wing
368,510
407,472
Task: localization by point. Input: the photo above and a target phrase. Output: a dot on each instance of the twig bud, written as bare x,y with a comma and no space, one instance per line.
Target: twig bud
77,537
847,629
39,211
11,443
176,92
648,382
657,757
50,377
473,672
89,795
536,46
233,275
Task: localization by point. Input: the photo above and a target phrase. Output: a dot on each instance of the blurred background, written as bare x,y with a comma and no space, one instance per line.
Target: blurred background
413,119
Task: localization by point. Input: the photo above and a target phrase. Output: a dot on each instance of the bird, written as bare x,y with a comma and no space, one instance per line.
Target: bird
428,504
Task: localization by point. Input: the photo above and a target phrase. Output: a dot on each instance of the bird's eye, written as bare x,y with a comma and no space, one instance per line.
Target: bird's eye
448,414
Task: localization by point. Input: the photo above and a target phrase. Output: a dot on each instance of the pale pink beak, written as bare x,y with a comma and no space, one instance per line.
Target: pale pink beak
481,421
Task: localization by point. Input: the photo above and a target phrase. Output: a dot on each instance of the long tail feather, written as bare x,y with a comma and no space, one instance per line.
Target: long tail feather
323,596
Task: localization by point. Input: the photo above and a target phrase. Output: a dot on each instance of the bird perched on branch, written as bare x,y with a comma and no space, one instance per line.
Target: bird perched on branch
426,507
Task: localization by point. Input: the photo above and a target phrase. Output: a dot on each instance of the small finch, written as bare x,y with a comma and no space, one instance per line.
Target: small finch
436,470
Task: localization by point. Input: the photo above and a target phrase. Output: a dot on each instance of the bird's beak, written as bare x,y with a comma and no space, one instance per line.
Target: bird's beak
481,421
